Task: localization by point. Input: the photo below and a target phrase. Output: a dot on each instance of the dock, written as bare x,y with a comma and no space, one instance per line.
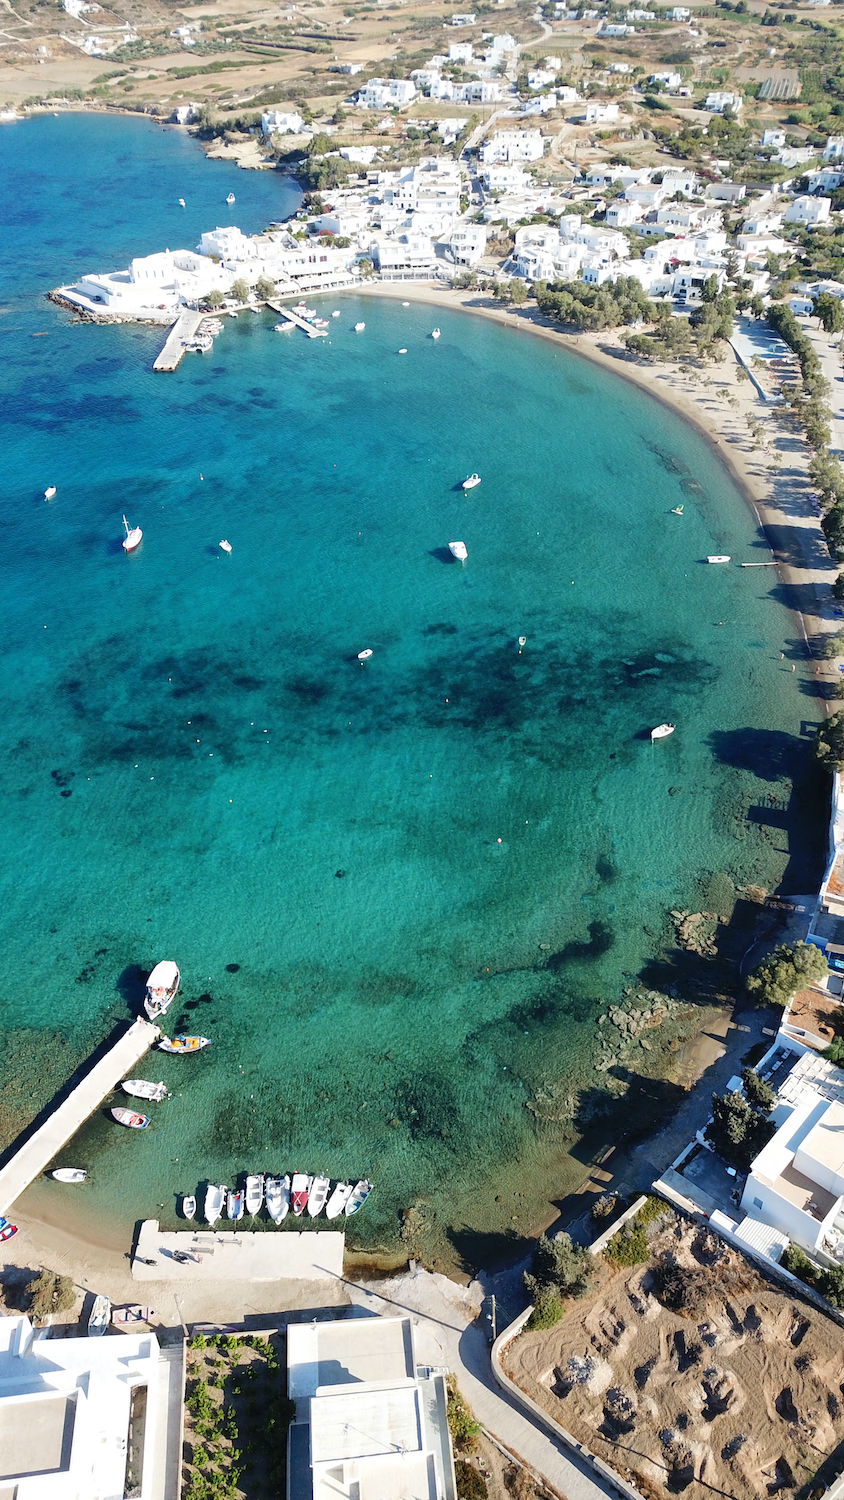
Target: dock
306,327
185,327
37,1150
238,1255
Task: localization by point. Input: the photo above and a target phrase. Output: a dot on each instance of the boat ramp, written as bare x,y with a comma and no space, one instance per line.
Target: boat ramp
306,327
37,1150
236,1255
184,328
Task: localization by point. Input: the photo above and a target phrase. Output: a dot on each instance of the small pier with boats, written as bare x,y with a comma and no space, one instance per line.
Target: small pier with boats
294,315
184,329
237,1255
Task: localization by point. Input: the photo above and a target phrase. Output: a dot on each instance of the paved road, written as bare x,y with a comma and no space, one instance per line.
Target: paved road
447,1333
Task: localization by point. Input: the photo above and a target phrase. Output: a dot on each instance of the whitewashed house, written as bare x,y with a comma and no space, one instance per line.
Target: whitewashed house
808,211
720,100
467,244
667,78
540,78
404,257
281,122
512,146
380,93
774,138
461,52
833,148
622,214
597,113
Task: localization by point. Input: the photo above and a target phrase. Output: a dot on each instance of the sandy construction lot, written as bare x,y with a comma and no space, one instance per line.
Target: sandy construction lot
737,1392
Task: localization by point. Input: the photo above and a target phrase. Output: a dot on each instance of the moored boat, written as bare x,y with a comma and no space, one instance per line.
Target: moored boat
138,1088
458,550
132,537
230,198
662,731
226,546
277,1195
100,1317
435,333
358,1197
719,557
365,655
284,327
69,1174
49,492
234,1206
130,1119
215,1199
359,327
338,1200
162,985
320,1188
183,1043
188,1206
254,1193
473,479
299,1192
7,1229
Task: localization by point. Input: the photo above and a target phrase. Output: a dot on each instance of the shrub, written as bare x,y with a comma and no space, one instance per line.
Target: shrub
604,1207
471,1484
757,1093
829,742
547,1310
629,1247
558,1265
737,1132
461,1424
779,976
49,1293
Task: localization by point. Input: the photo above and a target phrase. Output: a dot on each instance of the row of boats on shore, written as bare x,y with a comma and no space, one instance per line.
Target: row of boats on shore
297,1191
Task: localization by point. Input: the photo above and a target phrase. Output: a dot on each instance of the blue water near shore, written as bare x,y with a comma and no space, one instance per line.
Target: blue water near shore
399,893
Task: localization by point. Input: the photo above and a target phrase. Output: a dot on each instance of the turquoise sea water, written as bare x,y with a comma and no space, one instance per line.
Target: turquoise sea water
399,893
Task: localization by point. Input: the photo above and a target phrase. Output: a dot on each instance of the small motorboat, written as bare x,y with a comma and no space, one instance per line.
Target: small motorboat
662,731
188,1206
230,198
458,550
138,1088
359,327
402,351
132,537
365,655
7,1229
162,985
405,304
677,510
69,1174
284,327
277,1197
300,1189
336,314
358,1196
130,1119
182,202
226,546
317,1197
49,492
234,1208
522,642
215,1198
719,557
184,1043
473,479
338,1200
254,1193
435,333
99,1318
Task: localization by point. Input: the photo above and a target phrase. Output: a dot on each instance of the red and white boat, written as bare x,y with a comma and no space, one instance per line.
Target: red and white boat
300,1192
7,1229
128,1118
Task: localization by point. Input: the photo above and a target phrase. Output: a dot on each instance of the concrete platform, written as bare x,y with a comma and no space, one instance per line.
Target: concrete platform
184,327
232,1255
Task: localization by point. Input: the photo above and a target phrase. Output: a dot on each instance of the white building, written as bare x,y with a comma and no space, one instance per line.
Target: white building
281,122
540,78
679,181
513,145
404,257
463,19
467,244
718,101
726,192
379,93
566,94
808,211
615,31
826,180
503,177
349,67
774,138
834,148
460,52
370,1424
598,114
541,105
679,13
640,15
669,79
622,214
80,1417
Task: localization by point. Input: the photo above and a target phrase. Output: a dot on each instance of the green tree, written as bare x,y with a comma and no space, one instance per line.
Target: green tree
240,290
518,292
829,742
829,312
265,287
832,526
776,980
736,1131
558,1265
470,1483
757,1092
49,1293
215,298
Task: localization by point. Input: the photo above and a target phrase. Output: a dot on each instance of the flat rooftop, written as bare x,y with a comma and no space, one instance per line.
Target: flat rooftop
816,1011
36,1435
825,1142
804,1193
365,1423
816,1073
351,1350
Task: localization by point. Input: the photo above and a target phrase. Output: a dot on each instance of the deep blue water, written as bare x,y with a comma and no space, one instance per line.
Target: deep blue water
399,893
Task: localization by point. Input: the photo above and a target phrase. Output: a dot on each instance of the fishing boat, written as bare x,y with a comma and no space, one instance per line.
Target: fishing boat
7,1229
215,1198
435,333
365,655
49,492
230,198
162,985
132,537
138,1088
99,1318
522,642
188,1206
719,557
299,1192
359,327
473,479
183,1043
130,1119
358,1197
662,731
254,1193
226,546
458,550
234,1208
69,1174
338,1200
320,1188
277,1195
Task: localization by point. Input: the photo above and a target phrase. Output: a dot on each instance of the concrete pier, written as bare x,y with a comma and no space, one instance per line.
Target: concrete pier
36,1152
238,1255
306,327
184,327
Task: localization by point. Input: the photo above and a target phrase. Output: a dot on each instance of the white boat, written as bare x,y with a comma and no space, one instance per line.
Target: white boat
336,314
522,642
138,1088
188,1206
300,1189
232,314
162,985
230,198
435,333
338,1200
234,1208
49,492
662,731
215,1198
402,351
132,537
473,479
284,327
100,1317
359,327
458,550
182,201
226,546
721,557
183,1043
277,1197
69,1174
359,1195
254,1193
320,1188
130,1118
365,655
